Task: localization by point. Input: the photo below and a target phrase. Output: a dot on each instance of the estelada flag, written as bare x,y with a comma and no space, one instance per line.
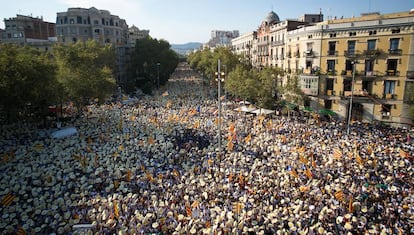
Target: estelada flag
237,207
21,231
116,209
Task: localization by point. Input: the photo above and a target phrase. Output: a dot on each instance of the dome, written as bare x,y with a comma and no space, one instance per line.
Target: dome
272,17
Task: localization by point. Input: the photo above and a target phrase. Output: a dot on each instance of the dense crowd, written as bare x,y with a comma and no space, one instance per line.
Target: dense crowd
153,166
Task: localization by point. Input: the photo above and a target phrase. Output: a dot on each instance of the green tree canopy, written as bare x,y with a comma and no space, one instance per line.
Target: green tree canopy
150,57
27,80
85,70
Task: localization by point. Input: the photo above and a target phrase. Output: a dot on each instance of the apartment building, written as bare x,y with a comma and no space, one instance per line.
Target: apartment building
27,30
369,58
135,34
82,24
243,45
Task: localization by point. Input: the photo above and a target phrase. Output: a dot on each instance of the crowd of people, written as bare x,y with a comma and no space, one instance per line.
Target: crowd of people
154,166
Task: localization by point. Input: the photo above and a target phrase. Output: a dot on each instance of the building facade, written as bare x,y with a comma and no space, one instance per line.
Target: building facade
135,34
221,38
83,24
31,31
369,58
243,45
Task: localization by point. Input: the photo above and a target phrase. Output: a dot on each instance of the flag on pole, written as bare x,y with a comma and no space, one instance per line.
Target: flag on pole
230,145
359,159
302,159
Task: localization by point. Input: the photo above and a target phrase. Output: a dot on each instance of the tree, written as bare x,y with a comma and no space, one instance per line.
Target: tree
292,92
150,57
27,81
85,70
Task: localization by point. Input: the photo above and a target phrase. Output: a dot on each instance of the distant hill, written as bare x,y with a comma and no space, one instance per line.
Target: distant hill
186,48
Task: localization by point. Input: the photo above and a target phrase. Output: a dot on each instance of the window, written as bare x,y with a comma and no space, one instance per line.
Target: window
371,44
386,110
352,34
351,47
349,65
332,48
392,67
395,31
95,22
369,67
332,35
328,104
372,32
66,20
79,19
331,65
71,21
389,87
394,43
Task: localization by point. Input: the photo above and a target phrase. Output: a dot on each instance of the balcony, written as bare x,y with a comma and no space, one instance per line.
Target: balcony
332,53
289,54
308,54
297,54
390,96
357,92
392,72
395,51
350,54
372,53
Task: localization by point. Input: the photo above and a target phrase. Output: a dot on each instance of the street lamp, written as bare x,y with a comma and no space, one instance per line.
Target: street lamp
219,79
158,77
352,95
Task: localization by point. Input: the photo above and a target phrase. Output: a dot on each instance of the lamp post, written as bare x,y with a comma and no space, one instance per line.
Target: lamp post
158,77
352,95
219,79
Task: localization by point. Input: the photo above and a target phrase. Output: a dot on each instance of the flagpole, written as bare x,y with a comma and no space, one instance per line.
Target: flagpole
219,105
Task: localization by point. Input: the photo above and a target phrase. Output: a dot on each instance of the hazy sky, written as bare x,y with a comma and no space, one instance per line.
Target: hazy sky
181,21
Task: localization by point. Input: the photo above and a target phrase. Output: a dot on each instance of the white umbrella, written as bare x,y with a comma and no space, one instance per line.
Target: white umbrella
244,108
262,111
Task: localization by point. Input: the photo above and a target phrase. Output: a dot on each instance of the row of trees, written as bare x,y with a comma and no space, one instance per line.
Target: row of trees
150,59
261,86
31,80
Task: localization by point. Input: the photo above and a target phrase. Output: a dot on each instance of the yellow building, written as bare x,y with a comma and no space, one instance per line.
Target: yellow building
367,63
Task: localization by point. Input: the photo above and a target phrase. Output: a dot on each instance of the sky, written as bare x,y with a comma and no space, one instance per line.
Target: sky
182,21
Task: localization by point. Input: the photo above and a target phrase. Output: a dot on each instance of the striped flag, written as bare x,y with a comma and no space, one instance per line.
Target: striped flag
337,153
248,138
21,231
128,176
308,173
293,173
359,159
339,195
237,207
195,204
350,207
303,160
116,209
7,200
403,153
230,146
188,210
304,188
176,173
